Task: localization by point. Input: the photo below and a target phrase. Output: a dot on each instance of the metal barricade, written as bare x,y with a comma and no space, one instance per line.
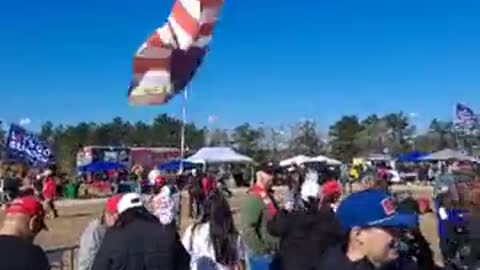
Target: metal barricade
62,258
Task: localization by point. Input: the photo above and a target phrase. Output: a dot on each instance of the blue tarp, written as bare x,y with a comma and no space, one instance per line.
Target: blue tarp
175,165
411,157
101,167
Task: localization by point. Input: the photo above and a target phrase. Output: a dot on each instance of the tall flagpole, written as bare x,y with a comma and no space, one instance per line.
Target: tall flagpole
184,122
455,129
182,129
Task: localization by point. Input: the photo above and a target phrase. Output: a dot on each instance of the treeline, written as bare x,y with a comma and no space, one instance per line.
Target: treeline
349,137
66,140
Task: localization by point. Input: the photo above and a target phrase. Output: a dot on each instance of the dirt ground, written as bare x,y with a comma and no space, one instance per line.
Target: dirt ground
65,231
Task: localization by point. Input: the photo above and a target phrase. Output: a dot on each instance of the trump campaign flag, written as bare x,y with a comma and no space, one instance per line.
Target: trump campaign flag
26,146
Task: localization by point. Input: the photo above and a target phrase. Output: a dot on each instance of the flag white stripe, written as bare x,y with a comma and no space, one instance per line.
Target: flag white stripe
154,52
184,38
193,8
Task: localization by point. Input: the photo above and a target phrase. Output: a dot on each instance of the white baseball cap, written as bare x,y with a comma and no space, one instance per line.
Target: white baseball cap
310,189
121,203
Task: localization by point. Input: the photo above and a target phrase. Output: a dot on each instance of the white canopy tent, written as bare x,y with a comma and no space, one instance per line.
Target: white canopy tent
323,159
296,160
333,162
218,155
447,154
379,157
327,160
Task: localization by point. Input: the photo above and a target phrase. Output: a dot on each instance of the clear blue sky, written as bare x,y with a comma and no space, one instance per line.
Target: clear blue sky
271,61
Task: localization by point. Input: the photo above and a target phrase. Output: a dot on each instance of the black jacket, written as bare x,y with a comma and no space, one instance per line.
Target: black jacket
472,239
335,259
142,245
304,237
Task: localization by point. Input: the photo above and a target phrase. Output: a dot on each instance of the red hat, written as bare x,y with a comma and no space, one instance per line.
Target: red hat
122,202
160,181
332,188
112,204
29,206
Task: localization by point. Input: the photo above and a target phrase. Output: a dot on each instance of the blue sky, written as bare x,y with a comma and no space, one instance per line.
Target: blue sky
271,61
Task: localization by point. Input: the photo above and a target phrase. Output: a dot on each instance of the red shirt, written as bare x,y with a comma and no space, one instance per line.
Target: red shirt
383,173
50,189
209,185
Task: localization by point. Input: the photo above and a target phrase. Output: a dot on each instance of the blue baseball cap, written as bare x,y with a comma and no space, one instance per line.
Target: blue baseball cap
373,208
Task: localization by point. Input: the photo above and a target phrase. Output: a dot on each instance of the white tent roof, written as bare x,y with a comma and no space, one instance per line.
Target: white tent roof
329,161
296,160
379,157
447,154
218,155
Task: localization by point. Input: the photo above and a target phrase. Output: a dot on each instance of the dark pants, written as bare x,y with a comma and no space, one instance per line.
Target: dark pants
50,208
199,201
195,203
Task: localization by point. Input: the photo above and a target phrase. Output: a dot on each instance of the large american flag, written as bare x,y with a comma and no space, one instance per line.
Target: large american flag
167,61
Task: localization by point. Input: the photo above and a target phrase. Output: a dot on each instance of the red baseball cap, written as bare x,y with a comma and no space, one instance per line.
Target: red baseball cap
122,202
160,181
332,188
112,204
29,206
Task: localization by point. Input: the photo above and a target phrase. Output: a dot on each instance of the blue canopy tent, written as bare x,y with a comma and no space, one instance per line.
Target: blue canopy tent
412,157
101,167
177,164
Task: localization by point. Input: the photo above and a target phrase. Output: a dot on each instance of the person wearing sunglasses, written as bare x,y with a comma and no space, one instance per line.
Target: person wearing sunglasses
372,230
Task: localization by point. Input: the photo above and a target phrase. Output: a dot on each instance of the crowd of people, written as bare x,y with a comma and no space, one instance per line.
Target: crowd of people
42,184
316,226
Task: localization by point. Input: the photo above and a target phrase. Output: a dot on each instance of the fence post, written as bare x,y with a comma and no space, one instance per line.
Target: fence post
72,259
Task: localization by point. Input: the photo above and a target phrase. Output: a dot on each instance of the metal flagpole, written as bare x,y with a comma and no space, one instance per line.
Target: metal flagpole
456,128
184,123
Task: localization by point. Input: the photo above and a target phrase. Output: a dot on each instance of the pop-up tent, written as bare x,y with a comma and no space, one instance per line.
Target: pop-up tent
412,157
101,167
218,155
447,154
176,165
324,159
378,157
296,160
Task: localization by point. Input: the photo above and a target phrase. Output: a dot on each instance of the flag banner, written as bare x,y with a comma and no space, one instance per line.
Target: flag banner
26,146
464,115
169,59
